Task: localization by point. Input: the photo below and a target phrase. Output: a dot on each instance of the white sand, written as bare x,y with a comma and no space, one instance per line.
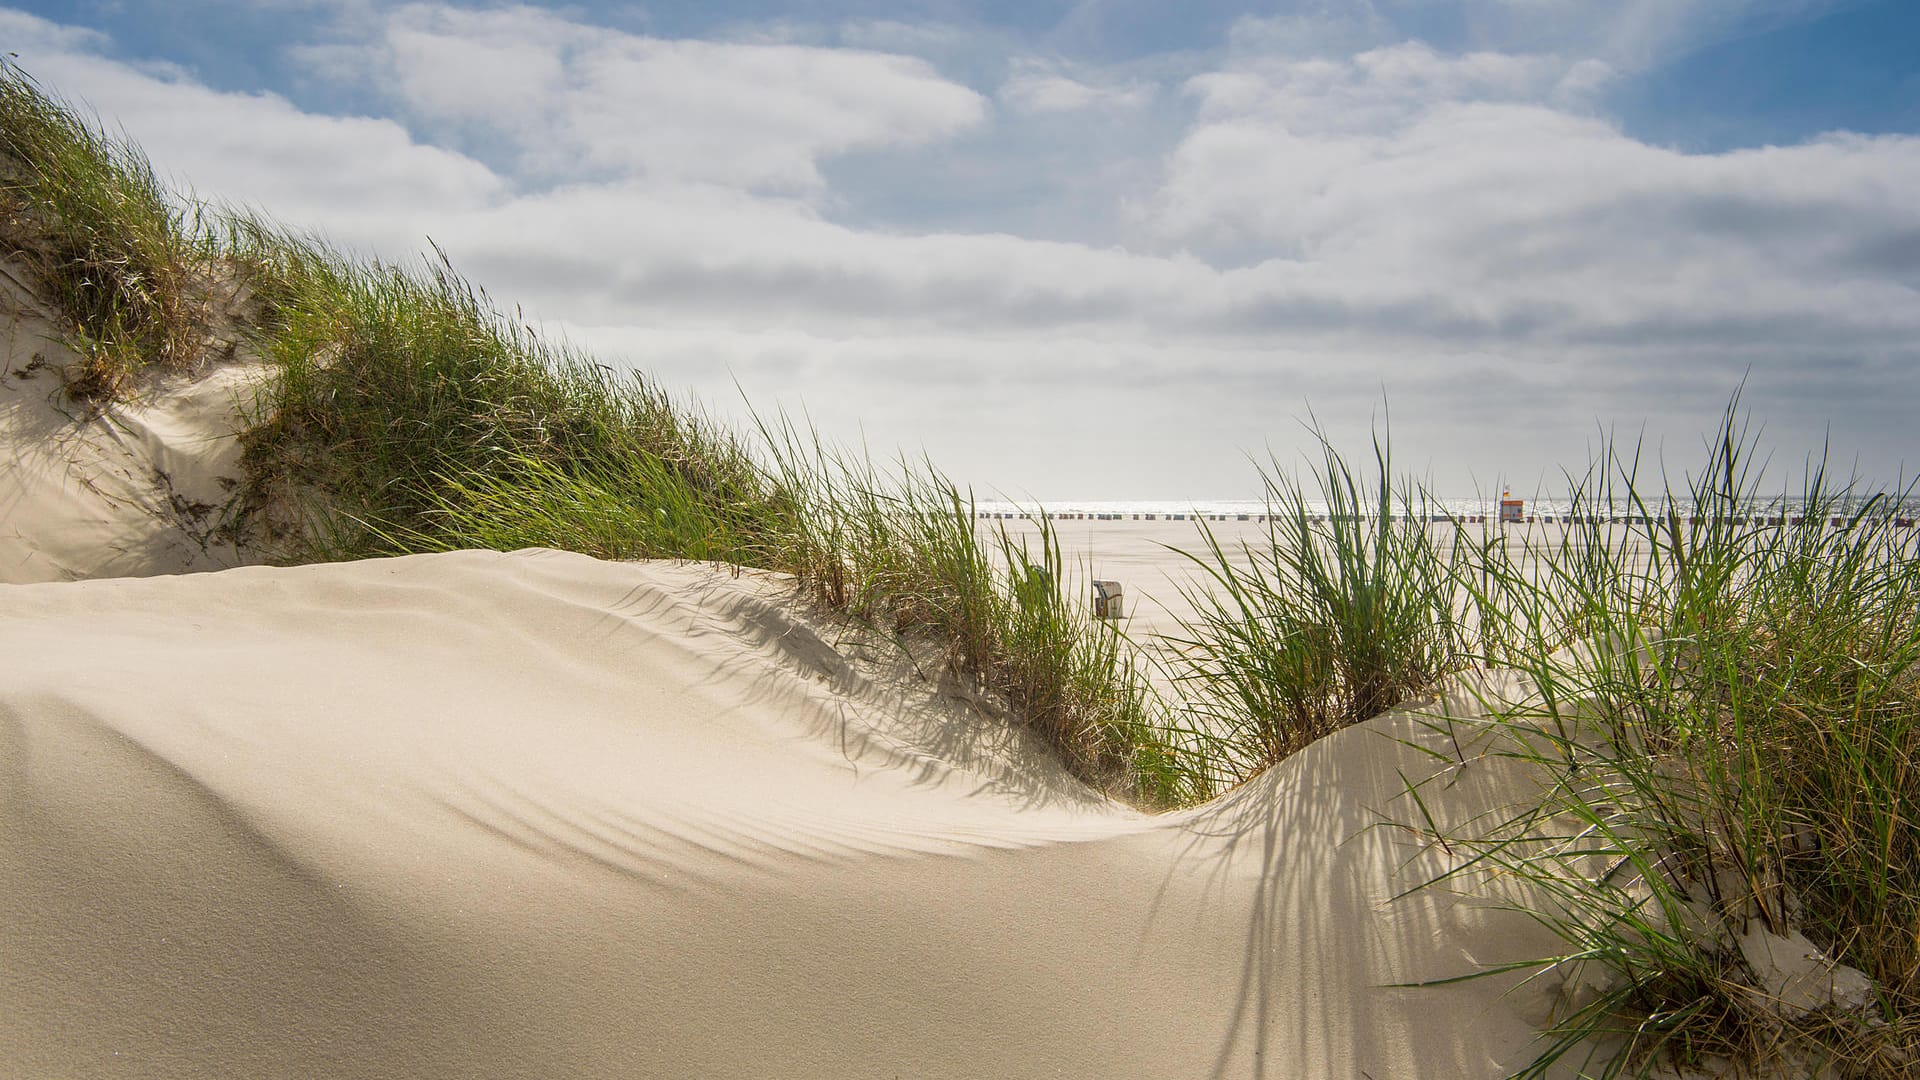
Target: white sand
537,815
134,489
1159,581
1135,553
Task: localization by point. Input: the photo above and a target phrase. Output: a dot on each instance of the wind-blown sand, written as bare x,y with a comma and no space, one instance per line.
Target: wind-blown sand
538,815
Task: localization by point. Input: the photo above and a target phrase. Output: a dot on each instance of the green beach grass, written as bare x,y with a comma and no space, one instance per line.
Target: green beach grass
1729,706
1725,707
101,239
1727,695
1347,608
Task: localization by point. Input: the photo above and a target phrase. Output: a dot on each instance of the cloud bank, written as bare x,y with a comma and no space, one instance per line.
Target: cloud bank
1170,259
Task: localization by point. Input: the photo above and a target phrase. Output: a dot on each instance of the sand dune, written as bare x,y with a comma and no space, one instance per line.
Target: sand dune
540,815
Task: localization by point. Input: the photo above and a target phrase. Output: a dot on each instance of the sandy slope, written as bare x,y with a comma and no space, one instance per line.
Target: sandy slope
134,488
539,815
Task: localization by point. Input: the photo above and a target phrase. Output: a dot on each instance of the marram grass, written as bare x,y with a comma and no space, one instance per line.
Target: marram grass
1726,716
1345,609
1728,708
123,263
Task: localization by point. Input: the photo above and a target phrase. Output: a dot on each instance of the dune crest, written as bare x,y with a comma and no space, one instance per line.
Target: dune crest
537,814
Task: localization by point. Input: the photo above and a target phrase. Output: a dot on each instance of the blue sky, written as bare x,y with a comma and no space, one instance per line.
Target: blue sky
1109,249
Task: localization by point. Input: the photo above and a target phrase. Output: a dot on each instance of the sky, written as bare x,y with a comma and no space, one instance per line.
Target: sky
1111,249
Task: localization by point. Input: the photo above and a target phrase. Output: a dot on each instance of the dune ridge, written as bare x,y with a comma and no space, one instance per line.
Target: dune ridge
538,814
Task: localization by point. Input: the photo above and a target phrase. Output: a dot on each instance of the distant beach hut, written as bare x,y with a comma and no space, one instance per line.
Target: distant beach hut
1512,511
1108,600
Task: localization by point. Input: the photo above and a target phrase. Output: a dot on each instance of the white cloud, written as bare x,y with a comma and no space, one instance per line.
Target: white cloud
504,69
30,35
1583,82
569,97
1378,90
1325,29
259,148
1458,193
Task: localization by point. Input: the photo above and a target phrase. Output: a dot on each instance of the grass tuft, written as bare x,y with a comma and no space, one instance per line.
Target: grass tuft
1346,609
903,551
122,262
1733,738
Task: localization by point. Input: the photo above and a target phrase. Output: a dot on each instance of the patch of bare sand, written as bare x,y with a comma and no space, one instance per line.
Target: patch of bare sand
125,489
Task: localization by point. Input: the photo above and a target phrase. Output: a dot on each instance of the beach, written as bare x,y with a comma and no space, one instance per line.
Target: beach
393,691
1166,570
